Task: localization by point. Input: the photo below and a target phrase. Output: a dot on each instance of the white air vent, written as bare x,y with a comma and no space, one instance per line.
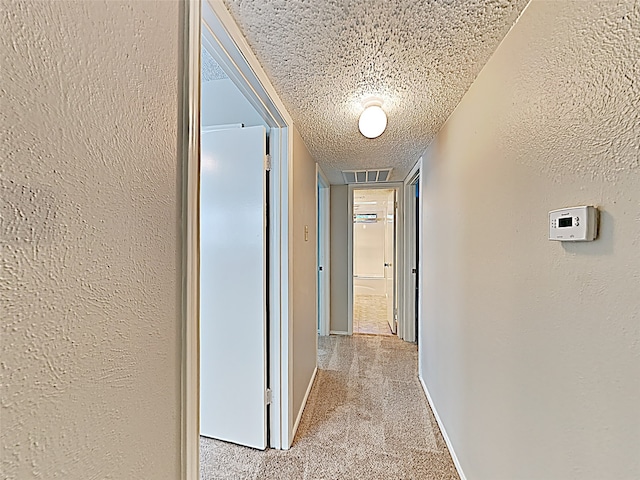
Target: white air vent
366,176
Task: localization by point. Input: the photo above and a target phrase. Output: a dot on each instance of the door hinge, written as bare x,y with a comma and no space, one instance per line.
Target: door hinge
395,204
267,162
267,397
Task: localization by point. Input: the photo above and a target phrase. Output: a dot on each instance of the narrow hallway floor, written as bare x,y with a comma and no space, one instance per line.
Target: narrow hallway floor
370,315
367,418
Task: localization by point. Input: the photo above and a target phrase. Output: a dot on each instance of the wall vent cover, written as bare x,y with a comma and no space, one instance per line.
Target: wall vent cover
366,176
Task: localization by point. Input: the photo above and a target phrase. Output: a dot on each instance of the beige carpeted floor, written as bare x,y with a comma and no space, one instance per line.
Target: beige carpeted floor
366,418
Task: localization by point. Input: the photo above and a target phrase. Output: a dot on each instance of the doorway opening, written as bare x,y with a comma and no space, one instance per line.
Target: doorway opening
234,257
412,256
227,98
234,253
374,282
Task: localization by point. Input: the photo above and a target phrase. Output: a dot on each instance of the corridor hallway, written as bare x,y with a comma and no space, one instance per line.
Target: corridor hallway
367,418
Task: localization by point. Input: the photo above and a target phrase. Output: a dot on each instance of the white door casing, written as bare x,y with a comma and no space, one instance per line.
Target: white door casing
231,51
323,253
233,286
398,255
407,319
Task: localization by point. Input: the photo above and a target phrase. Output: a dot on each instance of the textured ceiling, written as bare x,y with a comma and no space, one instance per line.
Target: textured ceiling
325,56
210,68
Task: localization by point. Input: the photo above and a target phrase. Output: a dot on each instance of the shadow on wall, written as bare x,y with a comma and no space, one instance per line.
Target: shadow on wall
603,245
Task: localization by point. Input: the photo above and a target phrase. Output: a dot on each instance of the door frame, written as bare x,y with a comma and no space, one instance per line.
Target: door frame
323,255
408,332
242,66
399,253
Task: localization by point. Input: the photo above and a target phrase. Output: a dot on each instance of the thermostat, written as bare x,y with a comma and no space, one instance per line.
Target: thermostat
574,224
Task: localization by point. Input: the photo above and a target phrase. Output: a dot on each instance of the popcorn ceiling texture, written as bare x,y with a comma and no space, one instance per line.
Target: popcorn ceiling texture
89,270
325,57
210,68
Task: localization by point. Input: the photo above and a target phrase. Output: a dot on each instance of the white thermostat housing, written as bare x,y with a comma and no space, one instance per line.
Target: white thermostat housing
574,224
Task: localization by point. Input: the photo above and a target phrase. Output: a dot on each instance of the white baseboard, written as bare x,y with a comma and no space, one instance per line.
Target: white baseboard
338,332
304,403
456,462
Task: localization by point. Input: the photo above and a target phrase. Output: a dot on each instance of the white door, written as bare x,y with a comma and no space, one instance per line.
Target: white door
389,258
233,328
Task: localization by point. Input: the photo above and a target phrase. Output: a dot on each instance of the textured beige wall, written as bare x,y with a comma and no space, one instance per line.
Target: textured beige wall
305,316
531,348
339,258
89,270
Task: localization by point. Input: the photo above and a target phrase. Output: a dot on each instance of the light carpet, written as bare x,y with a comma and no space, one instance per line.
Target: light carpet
366,418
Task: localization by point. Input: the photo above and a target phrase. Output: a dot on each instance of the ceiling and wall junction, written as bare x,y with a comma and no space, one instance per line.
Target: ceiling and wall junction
420,57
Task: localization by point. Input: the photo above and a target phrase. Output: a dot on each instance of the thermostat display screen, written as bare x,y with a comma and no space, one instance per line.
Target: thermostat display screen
565,222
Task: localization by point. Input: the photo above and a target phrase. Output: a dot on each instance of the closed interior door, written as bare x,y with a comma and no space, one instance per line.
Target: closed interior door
233,287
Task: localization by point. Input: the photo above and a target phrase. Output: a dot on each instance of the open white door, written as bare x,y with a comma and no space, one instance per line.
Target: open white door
390,258
233,287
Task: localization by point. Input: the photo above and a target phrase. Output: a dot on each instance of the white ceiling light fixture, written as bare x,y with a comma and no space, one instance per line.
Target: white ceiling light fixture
373,120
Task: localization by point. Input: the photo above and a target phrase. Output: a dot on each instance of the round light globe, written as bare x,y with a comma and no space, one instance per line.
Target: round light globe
373,121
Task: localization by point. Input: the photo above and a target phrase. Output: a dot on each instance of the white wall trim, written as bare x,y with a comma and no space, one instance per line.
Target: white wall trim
350,260
447,440
414,172
286,290
278,154
325,183
408,330
338,332
420,249
304,404
323,253
189,141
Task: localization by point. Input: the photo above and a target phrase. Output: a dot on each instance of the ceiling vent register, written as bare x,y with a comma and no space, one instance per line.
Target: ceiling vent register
366,176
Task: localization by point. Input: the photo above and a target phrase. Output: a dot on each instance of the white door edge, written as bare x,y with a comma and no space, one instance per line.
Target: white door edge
323,294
